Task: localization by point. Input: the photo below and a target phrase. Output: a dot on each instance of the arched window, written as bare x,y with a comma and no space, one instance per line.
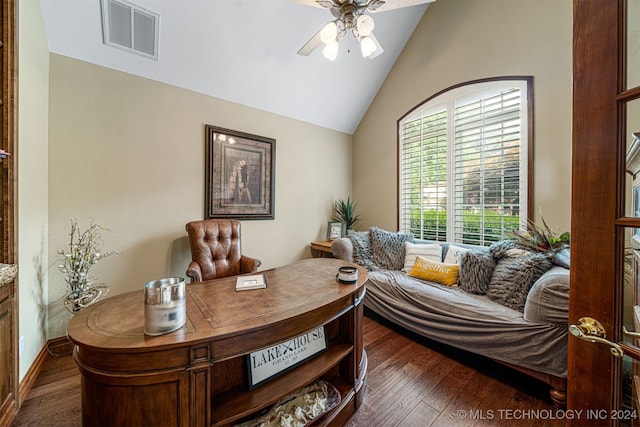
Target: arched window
465,162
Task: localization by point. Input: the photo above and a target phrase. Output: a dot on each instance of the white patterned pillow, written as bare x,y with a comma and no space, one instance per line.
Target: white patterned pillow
430,251
454,253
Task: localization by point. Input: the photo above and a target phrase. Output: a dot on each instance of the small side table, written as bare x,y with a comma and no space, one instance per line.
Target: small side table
321,249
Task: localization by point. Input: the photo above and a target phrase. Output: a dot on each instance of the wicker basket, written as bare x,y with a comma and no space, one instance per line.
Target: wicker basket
7,273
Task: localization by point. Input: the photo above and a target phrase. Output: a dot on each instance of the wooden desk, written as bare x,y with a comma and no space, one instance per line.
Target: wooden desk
321,249
197,376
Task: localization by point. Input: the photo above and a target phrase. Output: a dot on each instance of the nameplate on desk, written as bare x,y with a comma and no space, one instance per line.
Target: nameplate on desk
271,362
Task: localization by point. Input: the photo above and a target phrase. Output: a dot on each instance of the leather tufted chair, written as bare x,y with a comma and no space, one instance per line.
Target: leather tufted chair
215,250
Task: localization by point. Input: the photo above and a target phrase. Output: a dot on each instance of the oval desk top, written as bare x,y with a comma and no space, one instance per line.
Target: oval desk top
215,309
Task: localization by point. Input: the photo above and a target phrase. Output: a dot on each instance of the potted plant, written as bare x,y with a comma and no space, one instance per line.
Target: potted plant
345,212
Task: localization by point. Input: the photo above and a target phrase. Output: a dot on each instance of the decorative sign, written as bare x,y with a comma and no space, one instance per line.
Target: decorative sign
269,363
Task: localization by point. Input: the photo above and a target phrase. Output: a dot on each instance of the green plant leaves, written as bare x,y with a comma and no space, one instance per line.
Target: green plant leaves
345,212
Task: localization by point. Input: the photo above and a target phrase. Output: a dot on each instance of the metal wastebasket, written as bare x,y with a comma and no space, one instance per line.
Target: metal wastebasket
165,308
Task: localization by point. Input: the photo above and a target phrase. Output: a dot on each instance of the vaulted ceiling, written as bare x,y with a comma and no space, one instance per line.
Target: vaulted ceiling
244,51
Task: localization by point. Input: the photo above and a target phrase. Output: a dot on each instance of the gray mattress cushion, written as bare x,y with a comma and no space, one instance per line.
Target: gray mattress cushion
467,321
548,299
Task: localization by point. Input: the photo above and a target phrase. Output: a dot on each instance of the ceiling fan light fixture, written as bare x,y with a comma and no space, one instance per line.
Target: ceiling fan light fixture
367,46
351,19
364,25
329,33
330,51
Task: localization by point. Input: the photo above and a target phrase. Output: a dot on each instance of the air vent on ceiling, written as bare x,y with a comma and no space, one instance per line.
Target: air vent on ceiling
130,27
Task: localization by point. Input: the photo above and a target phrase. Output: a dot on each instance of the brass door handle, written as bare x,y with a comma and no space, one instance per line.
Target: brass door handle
591,330
630,333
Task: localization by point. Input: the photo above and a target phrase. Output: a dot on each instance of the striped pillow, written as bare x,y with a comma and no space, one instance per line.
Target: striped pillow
432,251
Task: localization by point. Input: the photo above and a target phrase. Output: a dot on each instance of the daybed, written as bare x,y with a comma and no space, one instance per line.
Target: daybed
506,304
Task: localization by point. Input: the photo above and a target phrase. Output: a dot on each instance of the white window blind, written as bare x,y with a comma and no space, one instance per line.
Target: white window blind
463,166
424,176
487,167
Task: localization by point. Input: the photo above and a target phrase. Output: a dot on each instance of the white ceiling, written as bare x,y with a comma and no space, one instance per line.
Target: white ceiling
244,51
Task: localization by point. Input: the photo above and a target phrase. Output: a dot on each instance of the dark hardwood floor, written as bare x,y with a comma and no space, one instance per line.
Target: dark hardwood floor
411,382
54,399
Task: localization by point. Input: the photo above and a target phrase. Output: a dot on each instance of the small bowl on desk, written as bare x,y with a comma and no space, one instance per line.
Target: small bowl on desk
347,275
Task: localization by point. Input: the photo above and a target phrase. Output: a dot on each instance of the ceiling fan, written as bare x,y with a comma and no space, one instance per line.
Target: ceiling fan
351,18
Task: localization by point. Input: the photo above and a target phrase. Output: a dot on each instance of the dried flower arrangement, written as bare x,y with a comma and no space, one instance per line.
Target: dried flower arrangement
84,252
541,238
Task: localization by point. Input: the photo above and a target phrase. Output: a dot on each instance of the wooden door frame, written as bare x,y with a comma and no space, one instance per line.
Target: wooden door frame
8,137
593,373
9,131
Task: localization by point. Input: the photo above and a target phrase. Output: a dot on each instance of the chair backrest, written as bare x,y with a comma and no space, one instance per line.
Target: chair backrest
215,246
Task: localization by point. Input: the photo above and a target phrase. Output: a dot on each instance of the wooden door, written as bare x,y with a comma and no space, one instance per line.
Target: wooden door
606,114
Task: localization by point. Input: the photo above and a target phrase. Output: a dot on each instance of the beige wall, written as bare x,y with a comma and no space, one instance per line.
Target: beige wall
32,149
129,152
463,40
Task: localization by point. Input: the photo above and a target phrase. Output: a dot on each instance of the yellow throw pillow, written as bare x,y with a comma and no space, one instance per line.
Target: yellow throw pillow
446,274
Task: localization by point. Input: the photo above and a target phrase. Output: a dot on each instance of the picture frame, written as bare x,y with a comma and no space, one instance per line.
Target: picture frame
240,174
335,230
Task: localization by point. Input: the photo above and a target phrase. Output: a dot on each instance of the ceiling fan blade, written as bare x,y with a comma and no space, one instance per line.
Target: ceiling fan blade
311,45
336,12
375,4
325,4
394,4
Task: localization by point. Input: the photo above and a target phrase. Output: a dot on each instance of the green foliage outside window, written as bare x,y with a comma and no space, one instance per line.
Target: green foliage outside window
434,224
496,226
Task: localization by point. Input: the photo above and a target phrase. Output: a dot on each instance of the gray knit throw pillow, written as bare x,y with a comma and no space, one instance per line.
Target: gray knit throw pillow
513,277
501,248
362,250
388,248
476,269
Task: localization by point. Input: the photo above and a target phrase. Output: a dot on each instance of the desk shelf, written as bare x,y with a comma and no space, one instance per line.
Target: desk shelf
235,405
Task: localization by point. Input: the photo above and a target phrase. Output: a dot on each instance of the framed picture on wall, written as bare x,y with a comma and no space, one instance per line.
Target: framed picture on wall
240,174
